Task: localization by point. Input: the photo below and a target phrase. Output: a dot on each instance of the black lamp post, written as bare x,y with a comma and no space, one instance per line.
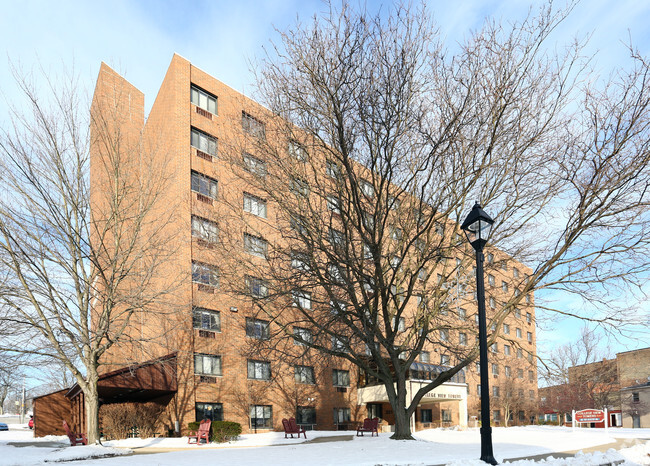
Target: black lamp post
477,227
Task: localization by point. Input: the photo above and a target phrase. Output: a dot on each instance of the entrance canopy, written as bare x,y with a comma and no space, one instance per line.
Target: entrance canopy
138,383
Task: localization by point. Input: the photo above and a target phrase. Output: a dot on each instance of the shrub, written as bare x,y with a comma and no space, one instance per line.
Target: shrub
193,426
224,431
119,419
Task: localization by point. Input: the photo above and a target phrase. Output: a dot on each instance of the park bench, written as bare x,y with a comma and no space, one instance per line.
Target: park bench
75,439
202,433
291,427
369,425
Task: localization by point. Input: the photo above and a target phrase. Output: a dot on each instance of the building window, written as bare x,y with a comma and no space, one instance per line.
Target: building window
210,411
635,397
507,371
341,415
529,337
297,151
306,415
444,359
490,258
444,335
506,329
254,165
527,299
336,238
506,350
401,324
529,317
304,374
426,415
203,142
518,313
396,233
204,185
462,314
334,204
259,370
258,329
493,303
495,369
332,170
340,343
257,287
496,415
478,367
205,274
462,339
204,229
495,391
367,188
494,348
478,390
298,224
207,364
255,245
425,357
518,332
202,99
340,378
301,299
531,394
299,187
206,319
491,280
252,125
531,376
337,308
520,353
446,415
515,272
254,205
261,416
302,336
520,373
530,357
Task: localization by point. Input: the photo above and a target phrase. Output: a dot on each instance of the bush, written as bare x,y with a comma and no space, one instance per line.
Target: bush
119,419
224,431
193,426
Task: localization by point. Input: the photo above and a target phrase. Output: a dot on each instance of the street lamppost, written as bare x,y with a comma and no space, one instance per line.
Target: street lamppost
477,227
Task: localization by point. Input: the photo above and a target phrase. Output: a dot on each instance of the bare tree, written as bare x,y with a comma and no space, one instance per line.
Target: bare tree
79,264
585,376
382,142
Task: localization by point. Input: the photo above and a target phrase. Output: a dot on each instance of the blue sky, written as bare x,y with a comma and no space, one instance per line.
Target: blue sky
138,38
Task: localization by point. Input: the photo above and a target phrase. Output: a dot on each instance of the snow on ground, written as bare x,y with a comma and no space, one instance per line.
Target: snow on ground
435,446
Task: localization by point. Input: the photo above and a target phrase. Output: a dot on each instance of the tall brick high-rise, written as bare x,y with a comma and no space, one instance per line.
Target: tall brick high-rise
205,342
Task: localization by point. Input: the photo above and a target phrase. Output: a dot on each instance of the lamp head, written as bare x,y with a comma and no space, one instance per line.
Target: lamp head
477,227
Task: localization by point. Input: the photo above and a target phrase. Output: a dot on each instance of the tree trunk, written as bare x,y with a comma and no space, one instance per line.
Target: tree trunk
91,399
402,418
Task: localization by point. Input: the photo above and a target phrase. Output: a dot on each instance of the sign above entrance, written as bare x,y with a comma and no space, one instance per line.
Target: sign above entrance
590,415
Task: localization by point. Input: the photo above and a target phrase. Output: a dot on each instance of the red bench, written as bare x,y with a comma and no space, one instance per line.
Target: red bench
75,439
291,427
369,425
202,433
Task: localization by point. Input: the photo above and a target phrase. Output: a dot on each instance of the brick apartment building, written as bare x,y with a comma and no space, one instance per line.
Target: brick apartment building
620,384
208,369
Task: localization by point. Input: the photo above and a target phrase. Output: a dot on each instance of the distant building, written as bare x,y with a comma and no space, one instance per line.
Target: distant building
620,384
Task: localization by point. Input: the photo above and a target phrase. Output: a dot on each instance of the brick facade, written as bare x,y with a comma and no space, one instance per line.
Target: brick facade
230,390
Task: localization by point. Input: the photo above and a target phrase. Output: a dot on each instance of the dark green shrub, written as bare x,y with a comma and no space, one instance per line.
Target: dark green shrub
193,426
224,431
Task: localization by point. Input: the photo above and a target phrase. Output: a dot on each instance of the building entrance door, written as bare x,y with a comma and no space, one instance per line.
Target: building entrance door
636,421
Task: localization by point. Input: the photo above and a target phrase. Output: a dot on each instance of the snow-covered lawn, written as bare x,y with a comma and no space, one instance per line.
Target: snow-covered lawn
435,446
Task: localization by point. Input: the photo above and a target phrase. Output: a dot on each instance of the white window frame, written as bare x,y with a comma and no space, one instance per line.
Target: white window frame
207,364
203,99
254,205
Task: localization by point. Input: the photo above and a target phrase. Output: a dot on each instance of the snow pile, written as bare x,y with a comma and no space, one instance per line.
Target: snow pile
638,453
84,452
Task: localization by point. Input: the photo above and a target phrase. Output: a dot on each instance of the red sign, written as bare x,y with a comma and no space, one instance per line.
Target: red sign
590,415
